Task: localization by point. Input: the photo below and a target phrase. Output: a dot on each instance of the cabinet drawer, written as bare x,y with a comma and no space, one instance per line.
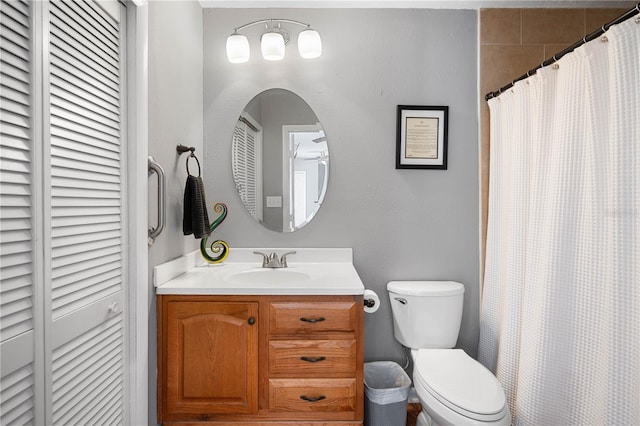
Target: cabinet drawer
293,317
309,358
312,395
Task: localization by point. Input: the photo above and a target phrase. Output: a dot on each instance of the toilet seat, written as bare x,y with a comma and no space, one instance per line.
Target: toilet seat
460,383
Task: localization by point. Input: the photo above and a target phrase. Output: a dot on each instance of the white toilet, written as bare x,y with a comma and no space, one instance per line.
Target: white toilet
453,388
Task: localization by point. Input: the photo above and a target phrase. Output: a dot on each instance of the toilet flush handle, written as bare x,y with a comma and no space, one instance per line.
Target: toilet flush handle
401,300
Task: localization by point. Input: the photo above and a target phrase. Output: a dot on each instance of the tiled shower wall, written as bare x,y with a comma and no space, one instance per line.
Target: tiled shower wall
513,41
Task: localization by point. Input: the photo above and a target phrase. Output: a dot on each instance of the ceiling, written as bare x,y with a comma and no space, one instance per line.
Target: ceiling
416,4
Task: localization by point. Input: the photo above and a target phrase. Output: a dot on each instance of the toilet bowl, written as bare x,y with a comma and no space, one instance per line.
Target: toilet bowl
453,388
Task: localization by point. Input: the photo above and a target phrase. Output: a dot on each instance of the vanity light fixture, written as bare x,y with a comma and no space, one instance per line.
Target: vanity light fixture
273,41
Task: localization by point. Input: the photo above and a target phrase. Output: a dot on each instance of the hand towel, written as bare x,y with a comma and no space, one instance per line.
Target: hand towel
196,219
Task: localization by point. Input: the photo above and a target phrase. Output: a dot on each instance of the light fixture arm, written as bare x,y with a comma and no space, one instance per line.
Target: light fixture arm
264,21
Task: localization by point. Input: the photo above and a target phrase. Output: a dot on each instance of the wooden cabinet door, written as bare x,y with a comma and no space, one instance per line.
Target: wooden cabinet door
211,358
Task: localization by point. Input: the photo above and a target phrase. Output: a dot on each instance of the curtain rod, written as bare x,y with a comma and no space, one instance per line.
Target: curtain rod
557,56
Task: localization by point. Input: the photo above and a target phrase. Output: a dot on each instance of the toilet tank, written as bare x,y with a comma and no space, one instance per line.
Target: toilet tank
426,314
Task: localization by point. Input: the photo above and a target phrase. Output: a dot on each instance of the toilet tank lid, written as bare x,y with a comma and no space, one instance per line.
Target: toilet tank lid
426,288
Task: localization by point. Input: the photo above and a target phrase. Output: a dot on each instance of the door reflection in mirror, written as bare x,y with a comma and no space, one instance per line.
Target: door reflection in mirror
247,163
303,186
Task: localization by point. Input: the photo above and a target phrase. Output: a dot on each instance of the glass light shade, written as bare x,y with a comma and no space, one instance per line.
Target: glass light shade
309,44
272,46
238,48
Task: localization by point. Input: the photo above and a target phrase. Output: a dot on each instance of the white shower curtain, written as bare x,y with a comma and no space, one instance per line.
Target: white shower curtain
560,317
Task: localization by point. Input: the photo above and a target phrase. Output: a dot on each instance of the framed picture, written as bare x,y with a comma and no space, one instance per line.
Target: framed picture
422,137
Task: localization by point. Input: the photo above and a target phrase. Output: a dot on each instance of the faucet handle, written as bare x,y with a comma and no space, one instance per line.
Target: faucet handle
265,258
283,258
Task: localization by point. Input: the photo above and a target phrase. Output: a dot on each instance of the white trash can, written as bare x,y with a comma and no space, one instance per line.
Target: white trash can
386,391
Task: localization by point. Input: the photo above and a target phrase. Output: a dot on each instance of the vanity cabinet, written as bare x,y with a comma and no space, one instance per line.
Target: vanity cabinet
211,353
260,360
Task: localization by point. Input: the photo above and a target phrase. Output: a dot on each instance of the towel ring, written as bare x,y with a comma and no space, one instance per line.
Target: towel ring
194,156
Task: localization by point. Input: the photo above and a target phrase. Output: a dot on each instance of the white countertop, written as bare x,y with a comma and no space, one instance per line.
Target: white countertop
310,272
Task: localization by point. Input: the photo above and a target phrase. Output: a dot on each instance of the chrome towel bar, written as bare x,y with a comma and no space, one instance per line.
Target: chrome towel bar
156,168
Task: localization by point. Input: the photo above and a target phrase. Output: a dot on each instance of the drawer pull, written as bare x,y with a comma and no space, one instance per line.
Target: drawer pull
313,320
313,399
313,359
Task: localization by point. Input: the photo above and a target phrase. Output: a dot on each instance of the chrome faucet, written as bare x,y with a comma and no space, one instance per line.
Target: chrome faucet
271,261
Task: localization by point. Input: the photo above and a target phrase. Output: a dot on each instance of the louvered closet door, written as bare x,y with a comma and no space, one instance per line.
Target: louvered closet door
17,273
62,214
87,208
246,168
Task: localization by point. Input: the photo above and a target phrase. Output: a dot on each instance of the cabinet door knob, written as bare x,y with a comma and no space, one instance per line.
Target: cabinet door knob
313,358
313,398
312,320
251,320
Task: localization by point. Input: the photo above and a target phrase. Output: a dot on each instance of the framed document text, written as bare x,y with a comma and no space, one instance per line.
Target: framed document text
422,137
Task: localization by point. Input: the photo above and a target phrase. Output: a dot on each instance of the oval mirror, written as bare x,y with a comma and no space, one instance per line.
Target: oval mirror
280,160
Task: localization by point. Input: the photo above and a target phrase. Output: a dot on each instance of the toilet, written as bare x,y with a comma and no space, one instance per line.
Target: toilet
453,388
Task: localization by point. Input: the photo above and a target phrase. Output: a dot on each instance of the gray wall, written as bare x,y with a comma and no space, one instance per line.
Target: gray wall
402,224
175,116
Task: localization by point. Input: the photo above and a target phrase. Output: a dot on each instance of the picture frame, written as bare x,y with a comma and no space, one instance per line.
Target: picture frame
421,141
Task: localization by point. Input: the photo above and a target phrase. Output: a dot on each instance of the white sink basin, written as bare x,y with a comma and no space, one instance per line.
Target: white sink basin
267,276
